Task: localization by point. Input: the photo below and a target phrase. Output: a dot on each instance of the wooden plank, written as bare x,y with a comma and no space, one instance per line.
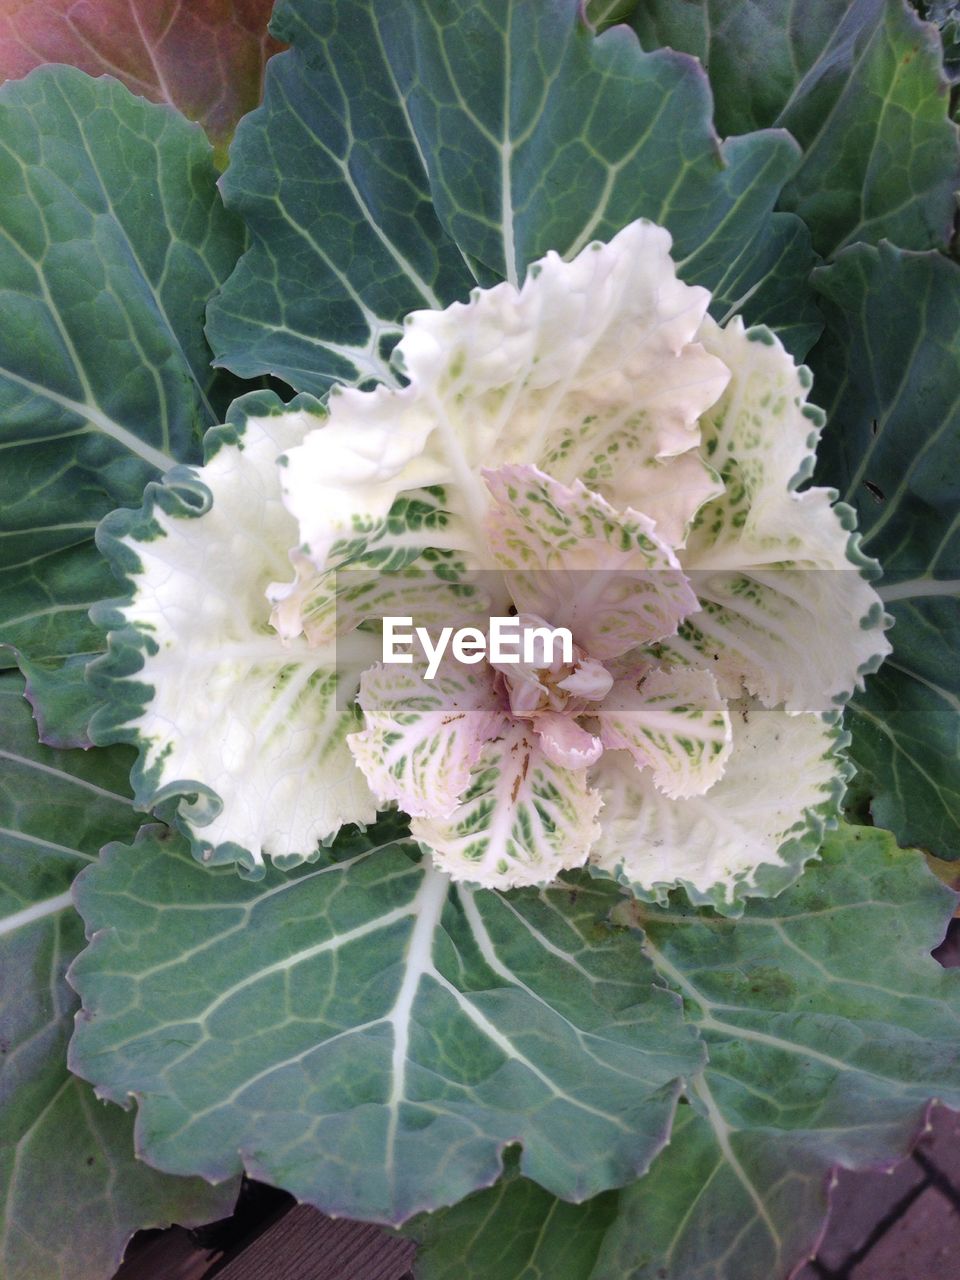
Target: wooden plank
306,1245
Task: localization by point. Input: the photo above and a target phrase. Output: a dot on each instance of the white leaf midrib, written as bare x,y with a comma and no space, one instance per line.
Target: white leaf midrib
36,911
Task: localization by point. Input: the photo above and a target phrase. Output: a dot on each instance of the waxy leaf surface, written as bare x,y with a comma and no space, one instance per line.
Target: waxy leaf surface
112,238
328,176
886,372
405,152
72,1190
829,1026
861,87
367,1037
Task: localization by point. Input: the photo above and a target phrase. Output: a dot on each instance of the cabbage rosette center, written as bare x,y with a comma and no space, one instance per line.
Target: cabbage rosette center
589,451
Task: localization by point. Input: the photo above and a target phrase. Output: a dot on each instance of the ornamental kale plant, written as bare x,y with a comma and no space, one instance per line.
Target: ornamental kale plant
615,463
594,964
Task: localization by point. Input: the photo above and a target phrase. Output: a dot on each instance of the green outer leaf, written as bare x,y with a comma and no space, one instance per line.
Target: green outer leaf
886,367
881,154
515,1229
829,1027
755,51
859,85
112,238
365,1036
331,184
60,698
592,133
73,1192
346,241
945,14
770,282
607,13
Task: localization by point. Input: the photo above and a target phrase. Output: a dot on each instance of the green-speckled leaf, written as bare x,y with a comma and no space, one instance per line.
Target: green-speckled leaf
71,1191
859,85
829,1027
887,369
112,238
367,1037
